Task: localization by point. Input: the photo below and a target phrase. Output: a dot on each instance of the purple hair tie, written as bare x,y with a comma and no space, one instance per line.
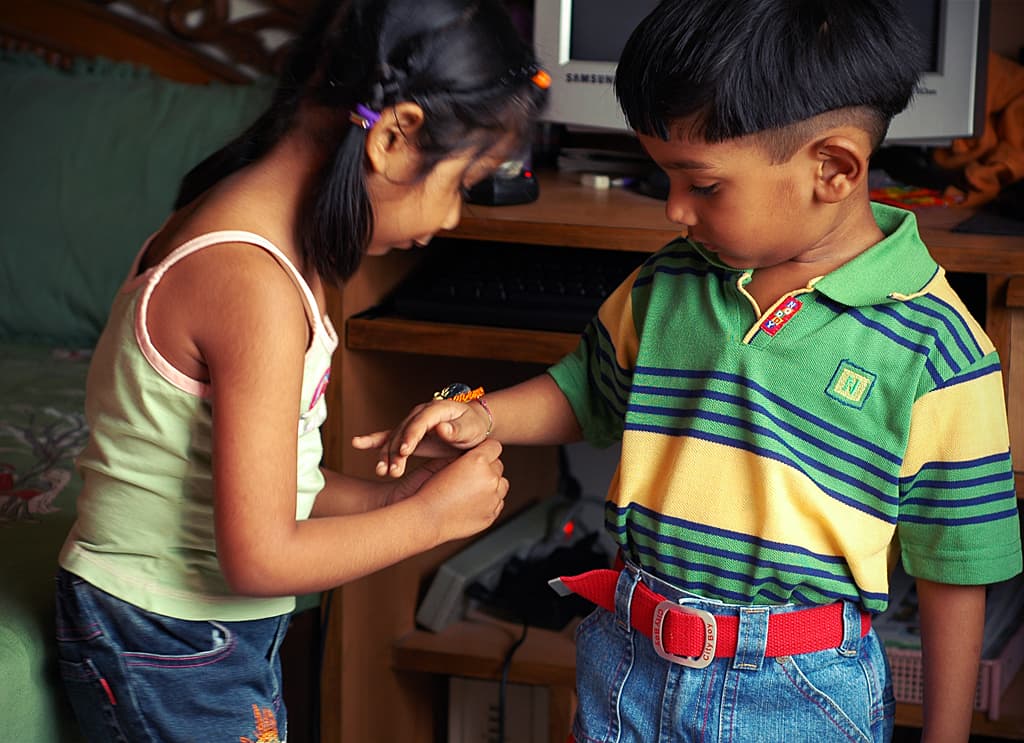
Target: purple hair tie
364,117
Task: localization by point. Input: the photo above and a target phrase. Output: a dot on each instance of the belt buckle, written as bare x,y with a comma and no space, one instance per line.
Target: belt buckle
661,612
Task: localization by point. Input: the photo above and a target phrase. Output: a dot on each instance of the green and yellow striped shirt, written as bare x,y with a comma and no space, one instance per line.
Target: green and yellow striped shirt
795,455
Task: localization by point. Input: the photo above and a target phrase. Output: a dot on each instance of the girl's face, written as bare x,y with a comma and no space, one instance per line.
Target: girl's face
410,209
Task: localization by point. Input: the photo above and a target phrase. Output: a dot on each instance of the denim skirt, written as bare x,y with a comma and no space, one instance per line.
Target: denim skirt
137,677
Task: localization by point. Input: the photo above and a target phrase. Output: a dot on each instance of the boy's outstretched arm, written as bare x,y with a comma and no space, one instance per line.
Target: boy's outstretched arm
532,412
952,626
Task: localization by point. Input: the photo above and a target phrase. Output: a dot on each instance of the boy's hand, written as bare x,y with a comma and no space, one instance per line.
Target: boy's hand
434,429
465,495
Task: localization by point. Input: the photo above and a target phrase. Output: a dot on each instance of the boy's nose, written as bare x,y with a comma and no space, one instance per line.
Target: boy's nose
679,209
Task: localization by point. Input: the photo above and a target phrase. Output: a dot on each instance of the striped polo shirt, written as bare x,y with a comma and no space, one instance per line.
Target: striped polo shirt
795,455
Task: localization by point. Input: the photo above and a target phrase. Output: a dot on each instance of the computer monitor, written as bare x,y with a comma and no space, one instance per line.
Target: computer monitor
580,42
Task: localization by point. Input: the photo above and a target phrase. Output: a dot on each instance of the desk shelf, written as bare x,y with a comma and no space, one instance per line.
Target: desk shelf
383,333
476,648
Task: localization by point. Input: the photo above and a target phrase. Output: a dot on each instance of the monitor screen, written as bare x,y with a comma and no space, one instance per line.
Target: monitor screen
926,16
599,28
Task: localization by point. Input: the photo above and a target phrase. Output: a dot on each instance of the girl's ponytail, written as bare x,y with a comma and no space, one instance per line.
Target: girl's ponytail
338,212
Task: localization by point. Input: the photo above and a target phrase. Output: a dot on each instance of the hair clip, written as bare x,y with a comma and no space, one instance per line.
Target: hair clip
364,117
536,74
541,79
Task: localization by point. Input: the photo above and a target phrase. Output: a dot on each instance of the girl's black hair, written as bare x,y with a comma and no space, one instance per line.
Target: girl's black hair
740,67
461,61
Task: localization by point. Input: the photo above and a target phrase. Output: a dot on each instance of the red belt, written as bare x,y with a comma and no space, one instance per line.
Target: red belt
693,637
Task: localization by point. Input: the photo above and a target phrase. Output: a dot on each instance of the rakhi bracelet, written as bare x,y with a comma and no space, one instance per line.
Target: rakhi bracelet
490,417
459,392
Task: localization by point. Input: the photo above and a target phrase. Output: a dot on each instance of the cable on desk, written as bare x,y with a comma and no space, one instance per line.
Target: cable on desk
502,688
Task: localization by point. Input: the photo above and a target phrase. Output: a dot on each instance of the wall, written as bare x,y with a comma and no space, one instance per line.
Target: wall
1007,31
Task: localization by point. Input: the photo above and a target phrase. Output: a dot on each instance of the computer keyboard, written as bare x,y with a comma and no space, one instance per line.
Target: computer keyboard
511,285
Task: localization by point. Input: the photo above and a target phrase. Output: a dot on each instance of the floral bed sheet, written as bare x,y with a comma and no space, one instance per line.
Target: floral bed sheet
42,429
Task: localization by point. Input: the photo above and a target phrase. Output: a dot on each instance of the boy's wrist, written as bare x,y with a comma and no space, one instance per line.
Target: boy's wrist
490,416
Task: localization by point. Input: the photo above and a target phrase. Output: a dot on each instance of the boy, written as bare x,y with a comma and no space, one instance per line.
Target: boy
801,399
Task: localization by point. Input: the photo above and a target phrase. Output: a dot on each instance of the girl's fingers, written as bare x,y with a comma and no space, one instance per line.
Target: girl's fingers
397,445
373,440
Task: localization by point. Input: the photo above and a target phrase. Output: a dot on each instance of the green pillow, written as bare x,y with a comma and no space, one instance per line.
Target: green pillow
90,162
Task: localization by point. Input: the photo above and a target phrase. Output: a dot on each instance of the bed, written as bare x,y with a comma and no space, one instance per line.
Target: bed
105,106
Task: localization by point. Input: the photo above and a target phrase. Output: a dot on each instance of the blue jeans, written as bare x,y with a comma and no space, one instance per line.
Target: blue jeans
627,693
135,676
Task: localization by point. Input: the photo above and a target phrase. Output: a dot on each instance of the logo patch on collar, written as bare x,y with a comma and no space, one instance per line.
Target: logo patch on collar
851,385
782,315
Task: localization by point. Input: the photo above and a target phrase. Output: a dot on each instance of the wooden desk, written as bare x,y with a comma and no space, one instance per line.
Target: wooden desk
380,679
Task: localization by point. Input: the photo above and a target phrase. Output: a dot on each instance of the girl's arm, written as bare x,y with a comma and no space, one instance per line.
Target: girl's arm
273,555
952,625
532,412
251,331
343,495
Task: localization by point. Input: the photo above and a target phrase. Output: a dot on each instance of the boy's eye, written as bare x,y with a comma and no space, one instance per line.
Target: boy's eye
704,190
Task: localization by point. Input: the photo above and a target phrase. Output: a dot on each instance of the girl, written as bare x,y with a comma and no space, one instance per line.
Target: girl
204,509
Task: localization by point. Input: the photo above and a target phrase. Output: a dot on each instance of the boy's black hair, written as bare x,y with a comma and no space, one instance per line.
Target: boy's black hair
462,61
741,67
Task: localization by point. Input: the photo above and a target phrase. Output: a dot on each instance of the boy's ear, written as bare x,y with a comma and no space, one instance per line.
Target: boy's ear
390,143
842,166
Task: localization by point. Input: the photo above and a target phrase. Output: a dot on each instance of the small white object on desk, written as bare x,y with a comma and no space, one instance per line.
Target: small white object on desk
600,181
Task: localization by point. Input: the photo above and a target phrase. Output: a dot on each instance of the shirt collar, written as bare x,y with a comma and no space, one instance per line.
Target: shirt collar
897,267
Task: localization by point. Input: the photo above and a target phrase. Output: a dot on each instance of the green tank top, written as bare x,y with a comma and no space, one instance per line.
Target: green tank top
145,529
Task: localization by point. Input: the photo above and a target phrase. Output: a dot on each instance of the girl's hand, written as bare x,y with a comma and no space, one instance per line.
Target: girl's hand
398,490
465,495
438,428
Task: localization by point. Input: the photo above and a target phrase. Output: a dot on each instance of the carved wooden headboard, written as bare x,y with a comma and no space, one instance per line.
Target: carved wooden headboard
188,40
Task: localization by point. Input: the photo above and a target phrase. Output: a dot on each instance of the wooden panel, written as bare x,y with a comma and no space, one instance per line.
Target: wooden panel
363,697
80,29
184,49
1015,294
476,648
464,341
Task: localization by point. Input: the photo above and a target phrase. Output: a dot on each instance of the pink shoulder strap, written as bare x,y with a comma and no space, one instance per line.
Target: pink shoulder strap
153,276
